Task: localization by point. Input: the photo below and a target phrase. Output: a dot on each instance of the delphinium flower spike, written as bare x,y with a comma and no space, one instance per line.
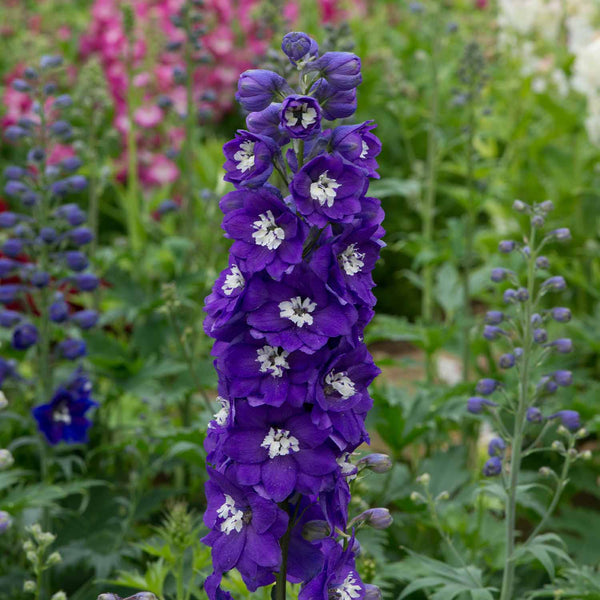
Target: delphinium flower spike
287,316
525,329
43,242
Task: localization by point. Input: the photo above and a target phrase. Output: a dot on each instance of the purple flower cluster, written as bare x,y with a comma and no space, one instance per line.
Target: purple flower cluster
524,327
44,268
287,316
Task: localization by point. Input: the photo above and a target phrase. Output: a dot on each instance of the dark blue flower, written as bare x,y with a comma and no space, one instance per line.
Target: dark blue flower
24,336
72,349
299,48
257,88
301,116
249,159
493,467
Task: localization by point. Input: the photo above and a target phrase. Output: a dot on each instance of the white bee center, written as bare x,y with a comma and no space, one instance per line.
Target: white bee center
365,150
351,260
324,190
267,233
245,156
279,442
348,590
221,417
272,360
341,383
62,414
233,281
233,520
300,115
297,310
347,468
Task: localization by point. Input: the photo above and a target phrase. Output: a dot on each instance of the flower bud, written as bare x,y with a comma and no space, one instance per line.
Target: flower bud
29,586
491,332
40,279
507,361
499,274
372,592
546,472
540,336
109,597
562,235
299,48
341,70
417,498
563,378
59,596
494,317
63,101
424,479
506,246
522,294
143,596
496,447
377,518
59,311
81,236
54,559
443,496
316,530
72,349
536,320
510,296
476,404
542,262
20,85
3,401
534,415
586,455
9,318
6,459
520,206
492,467
547,206
24,336
538,221
257,88
49,61
546,385
581,433
487,386
561,315
76,261
556,283
569,418
562,345
378,463
86,282
572,453
86,319
558,446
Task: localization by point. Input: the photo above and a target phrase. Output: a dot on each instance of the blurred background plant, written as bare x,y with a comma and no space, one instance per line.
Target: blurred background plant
478,103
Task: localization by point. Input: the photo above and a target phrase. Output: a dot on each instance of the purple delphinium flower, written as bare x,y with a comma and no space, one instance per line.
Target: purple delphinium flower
358,145
268,235
249,159
328,189
301,116
267,122
64,417
341,70
257,88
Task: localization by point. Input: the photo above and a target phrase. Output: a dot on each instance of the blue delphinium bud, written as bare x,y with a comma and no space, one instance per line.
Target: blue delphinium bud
76,261
71,163
86,282
167,206
378,463
536,320
546,385
562,234
20,85
560,314
510,296
49,61
257,88
341,70
563,377
60,129
14,133
164,102
14,172
487,386
63,101
507,246
522,294
59,310
496,447
499,274
542,262
494,317
534,415
14,188
7,265
372,592
24,336
316,530
72,349
36,155
29,198
71,213
556,283
9,318
562,345
507,361
492,467
378,518
547,206
40,279
569,418
9,292
491,332
8,219
538,221
540,336
48,235
520,206
476,404
5,521
12,247
334,103
81,236
299,48
77,183
86,319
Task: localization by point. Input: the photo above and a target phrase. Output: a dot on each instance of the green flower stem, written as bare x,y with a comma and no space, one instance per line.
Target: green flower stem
519,428
280,582
428,213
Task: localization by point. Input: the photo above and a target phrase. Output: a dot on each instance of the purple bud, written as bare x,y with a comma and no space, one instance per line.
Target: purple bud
71,163
538,221
378,463
542,262
476,404
48,234
5,521
540,336
562,234
9,292
496,447
59,311
491,332
378,518
24,336
14,172
560,314
164,101
492,467
63,101
49,61
555,283
372,592
167,206
76,261
30,73
562,345
40,279
536,319
520,206
77,183
547,385
81,236
522,294
487,386
8,219
14,133
510,296
526,251
563,377
547,206
86,319
416,8
36,155
316,530
60,128
569,418
494,317
12,247
335,103
499,274
299,48
9,318
507,361
59,188
72,349
6,266
267,122
20,85
29,198
341,70
257,88
14,189
534,415
507,246
86,282
71,213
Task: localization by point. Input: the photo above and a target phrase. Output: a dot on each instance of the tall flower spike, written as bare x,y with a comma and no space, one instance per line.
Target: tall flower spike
288,316
45,239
